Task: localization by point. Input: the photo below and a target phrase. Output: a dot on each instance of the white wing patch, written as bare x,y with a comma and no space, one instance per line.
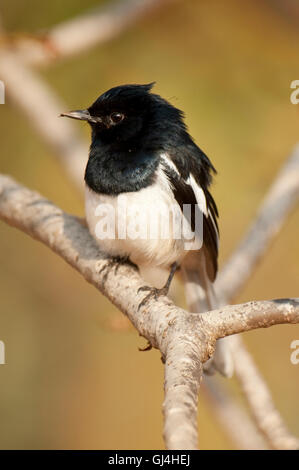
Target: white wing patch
199,194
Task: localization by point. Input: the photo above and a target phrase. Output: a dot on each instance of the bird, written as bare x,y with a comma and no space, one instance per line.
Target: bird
141,160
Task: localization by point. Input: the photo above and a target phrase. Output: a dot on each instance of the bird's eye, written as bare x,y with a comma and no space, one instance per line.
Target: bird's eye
116,117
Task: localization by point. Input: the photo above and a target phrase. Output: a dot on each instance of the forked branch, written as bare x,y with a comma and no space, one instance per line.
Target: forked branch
185,340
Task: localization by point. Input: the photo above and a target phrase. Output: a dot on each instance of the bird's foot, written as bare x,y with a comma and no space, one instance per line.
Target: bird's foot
115,263
154,293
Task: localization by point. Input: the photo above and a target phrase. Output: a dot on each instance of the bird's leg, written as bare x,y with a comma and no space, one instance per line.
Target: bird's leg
173,269
154,291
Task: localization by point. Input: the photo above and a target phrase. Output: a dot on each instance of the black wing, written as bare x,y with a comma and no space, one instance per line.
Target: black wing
184,194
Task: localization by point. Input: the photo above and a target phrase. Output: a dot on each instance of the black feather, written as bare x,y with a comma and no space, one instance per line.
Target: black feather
184,194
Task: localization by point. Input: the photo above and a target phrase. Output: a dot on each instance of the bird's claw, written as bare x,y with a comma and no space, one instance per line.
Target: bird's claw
148,347
115,263
153,293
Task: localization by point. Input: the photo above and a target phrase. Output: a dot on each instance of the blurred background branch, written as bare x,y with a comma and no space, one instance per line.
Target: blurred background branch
232,418
42,106
80,34
258,396
280,200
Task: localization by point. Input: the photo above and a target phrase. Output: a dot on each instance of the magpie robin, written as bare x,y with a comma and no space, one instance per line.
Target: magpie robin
141,152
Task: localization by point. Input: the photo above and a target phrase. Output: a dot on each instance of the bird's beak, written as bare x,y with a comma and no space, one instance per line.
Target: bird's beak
82,114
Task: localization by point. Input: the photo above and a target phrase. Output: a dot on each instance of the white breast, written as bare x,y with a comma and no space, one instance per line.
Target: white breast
131,224
143,249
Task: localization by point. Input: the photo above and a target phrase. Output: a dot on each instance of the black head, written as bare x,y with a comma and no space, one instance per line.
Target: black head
131,127
127,112
123,112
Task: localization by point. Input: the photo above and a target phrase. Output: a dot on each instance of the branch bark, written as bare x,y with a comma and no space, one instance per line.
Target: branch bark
185,340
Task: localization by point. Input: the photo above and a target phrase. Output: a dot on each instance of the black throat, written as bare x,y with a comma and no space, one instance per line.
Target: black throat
114,169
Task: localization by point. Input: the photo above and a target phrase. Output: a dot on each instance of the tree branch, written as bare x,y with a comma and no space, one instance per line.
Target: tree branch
234,319
185,340
160,322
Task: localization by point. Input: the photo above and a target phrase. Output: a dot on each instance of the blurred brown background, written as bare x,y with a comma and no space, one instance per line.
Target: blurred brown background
74,377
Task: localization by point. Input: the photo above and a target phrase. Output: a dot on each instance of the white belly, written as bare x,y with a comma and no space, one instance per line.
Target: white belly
145,246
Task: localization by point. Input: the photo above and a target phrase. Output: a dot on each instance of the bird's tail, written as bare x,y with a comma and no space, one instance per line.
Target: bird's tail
200,297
